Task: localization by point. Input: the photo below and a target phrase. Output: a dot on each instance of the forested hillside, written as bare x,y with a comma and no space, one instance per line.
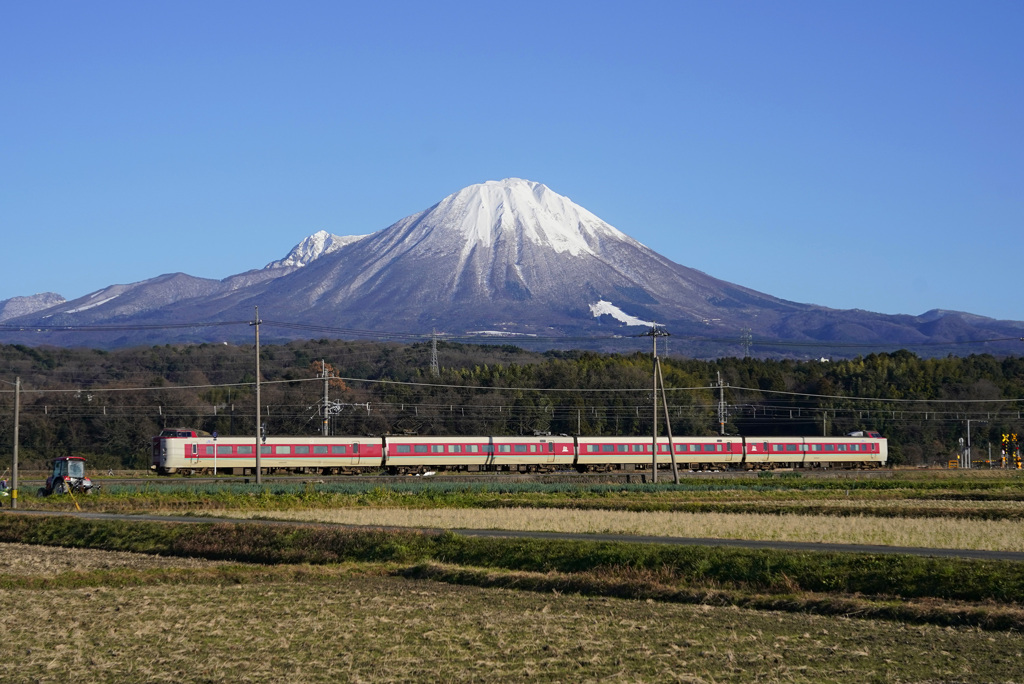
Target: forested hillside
107,405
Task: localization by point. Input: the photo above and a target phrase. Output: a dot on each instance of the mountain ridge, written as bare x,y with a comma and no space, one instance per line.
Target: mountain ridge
510,257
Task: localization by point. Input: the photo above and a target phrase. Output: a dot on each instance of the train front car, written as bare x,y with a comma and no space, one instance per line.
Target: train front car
862,449
522,454
634,453
196,452
173,447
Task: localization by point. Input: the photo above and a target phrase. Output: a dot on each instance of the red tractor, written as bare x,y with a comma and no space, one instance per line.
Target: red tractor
68,476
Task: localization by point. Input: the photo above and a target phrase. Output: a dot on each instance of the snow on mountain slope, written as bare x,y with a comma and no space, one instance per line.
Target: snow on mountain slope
22,306
313,247
510,257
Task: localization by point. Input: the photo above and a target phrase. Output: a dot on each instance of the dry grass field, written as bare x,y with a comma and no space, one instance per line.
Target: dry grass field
107,616
996,535
367,627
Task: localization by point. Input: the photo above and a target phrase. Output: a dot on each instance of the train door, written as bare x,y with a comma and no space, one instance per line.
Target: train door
355,454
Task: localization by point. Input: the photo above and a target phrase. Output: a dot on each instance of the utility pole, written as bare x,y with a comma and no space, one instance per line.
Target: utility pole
14,468
434,370
327,406
721,405
967,454
256,323
668,426
654,333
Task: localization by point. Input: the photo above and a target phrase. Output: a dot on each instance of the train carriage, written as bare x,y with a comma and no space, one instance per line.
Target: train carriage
406,454
697,452
841,452
774,451
194,451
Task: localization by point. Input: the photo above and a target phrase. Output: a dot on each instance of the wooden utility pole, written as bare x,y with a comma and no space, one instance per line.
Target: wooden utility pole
259,469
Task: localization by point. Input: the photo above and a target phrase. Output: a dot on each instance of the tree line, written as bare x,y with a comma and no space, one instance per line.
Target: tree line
107,405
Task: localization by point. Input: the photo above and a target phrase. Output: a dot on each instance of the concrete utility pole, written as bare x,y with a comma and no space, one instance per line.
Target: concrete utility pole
14,466
327,406
259,469
721,405
654,333
435,371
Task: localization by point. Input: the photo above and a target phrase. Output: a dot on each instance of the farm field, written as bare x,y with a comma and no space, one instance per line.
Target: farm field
325,604
992,535
362,623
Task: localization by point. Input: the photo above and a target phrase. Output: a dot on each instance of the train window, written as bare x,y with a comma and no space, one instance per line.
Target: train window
591,448
355,447
195,448
304,449
283,449
402,448
607,447
830,447
520,448
244,450
437,448
776,447
224,451
842,447
791,447
640,447
421,448
339,449
533,448
320,449
264,449
815,447
472,448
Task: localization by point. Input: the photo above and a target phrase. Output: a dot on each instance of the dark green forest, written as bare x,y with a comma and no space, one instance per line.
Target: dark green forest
106,405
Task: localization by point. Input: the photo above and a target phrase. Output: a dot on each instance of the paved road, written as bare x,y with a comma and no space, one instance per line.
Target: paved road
520,534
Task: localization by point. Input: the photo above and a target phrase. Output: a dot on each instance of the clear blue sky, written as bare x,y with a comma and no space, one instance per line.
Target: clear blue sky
850,154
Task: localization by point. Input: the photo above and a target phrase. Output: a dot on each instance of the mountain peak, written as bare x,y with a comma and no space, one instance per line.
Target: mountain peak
312,248
487,212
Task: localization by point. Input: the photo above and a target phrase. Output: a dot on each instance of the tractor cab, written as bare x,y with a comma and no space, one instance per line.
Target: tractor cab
68,475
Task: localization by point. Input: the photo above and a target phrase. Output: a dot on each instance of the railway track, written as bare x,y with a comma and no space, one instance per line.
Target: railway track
566,477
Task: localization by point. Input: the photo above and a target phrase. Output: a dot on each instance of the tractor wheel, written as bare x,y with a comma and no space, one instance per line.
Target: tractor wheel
60,487
42,492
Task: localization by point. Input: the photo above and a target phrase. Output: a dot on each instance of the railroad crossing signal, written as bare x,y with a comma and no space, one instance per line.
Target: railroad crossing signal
1011,447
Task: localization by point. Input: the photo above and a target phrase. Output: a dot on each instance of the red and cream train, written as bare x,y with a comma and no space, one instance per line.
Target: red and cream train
194,451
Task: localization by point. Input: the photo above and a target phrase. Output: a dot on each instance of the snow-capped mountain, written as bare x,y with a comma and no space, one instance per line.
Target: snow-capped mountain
314,247
22,306
507,257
